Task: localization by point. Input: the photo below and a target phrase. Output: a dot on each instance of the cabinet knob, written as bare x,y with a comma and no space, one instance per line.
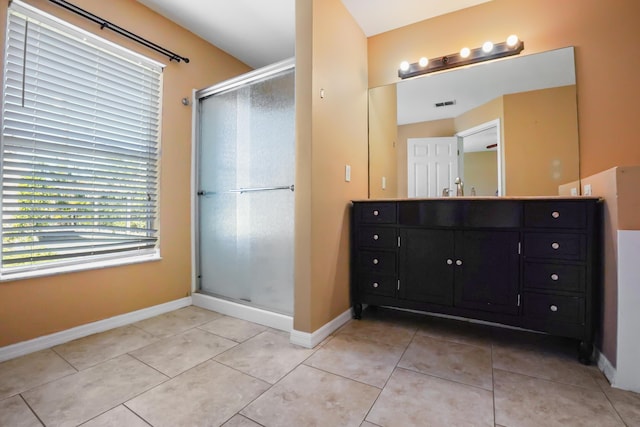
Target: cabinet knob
449,261
555,245
375,261
375,285
554,277
458,262
376,213
375,237
553,308
555,214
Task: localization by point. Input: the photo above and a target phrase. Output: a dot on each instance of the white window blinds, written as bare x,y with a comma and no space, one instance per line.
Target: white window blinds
80,132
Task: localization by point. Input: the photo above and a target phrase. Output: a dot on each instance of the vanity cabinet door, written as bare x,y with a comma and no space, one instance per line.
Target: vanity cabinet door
487,270
426,265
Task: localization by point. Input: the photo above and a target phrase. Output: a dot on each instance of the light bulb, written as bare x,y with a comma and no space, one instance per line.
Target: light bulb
465,52
404,66
512,40
423,62
487,47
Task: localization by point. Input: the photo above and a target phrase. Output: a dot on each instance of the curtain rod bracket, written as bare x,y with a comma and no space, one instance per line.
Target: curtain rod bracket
115,28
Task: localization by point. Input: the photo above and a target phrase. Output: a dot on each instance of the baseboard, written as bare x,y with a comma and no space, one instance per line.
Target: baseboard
606,367
244,312
310,340
47,341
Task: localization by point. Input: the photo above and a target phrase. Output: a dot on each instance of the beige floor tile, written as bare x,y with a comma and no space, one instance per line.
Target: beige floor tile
206,395
378,331
176,354
468,364
367,424
240,421
77,398
542,363
89,351
522,401
234,329
119,416
358,359
15,413
268,356
626,403
25,372
456,331
414,399
174,322
310,397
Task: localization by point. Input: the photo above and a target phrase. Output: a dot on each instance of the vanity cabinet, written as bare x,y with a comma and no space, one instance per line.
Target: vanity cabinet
526,262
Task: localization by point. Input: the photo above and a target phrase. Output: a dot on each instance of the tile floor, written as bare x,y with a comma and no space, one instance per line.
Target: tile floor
194,367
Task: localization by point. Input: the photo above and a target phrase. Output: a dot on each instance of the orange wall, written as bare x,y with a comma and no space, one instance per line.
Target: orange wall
481,173
540,141
331,54
605,34
35,307
383,138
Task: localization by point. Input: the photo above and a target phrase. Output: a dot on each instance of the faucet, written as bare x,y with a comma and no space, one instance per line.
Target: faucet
446,192
459,187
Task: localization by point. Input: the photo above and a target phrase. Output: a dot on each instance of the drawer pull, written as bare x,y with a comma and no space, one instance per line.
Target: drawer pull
555,214
449,261
376,213
553,308
459,262
376,237
375,285
375,261
554,277
555,245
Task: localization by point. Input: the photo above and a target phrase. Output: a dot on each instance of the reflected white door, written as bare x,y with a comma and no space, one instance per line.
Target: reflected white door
432,165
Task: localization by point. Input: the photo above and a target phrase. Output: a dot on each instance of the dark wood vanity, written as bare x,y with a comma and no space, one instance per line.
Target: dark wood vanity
527,262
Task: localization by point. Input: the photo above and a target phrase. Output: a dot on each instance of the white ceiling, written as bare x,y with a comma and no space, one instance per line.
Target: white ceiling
262,32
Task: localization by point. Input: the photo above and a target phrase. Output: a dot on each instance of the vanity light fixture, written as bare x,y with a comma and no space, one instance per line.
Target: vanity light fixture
466,56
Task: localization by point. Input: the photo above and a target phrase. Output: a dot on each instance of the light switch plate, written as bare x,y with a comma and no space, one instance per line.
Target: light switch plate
384,182
574,191
347,173
587,190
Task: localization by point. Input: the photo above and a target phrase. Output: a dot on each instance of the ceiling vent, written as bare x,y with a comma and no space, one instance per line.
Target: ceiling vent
445,103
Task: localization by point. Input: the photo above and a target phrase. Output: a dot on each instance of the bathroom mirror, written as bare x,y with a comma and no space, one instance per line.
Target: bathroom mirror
529,100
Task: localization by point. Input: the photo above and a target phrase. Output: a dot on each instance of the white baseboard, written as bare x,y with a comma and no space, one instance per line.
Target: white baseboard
606,367
244,312
310,340
47,341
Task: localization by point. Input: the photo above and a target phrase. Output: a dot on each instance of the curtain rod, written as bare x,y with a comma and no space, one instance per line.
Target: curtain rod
113,27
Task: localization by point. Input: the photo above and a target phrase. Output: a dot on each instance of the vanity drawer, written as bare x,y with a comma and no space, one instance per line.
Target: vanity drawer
377,262
555,246
562,277
555,214
376,284
377,213
377,237
554,308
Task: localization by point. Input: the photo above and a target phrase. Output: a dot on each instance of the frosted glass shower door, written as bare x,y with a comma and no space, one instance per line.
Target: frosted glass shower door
246,159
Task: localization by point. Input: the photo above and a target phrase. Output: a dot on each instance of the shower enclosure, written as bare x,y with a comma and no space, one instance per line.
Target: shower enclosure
245,159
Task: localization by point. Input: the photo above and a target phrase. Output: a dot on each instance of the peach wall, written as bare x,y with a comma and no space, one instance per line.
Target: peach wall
607,89
480,172
432,129
383,138
35,307
331,55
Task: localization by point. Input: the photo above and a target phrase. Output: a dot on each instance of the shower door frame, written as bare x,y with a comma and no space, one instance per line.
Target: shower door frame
224,306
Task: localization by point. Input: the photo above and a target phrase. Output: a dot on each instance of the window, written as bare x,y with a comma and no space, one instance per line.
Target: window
80,147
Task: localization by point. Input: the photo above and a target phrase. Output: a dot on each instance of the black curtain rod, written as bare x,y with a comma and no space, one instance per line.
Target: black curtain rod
113,27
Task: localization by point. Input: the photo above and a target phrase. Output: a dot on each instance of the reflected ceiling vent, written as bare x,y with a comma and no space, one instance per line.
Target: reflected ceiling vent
445,103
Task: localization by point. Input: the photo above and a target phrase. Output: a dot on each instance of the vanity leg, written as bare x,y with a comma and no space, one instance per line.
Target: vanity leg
585,351
357,311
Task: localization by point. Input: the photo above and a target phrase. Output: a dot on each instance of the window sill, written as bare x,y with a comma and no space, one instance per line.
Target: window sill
94,265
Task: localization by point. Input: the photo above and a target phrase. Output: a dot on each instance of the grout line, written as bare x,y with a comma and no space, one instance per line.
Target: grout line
31,409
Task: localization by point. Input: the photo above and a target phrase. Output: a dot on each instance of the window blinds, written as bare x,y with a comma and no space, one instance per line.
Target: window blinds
80,135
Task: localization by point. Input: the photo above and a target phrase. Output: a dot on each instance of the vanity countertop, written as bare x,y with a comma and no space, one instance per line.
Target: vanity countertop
493,198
